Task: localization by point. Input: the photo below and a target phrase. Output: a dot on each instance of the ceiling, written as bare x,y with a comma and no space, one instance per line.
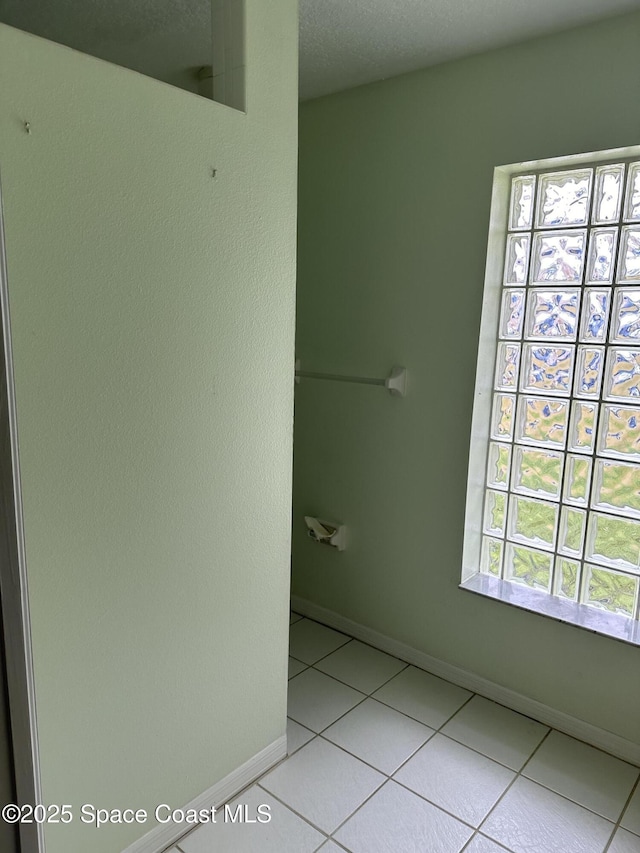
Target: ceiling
343,43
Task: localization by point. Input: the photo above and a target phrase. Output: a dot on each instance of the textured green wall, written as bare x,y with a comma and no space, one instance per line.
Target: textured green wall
153,333
395,190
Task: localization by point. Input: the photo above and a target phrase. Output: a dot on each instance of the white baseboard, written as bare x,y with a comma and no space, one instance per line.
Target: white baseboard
608,741
164,836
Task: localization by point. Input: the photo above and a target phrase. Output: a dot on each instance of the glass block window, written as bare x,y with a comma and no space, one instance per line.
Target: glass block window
561,510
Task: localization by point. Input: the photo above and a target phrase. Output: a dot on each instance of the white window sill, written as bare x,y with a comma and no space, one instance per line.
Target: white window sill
597,621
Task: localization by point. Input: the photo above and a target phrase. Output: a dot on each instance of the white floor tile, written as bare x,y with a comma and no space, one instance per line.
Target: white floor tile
631,818
423,696
456,778
495,731
309,641
396,820
316,700
379,735
625,842
297,736
584,774
295,667
294,617
331,847
361,667
322,783
480,844
284,833
531,819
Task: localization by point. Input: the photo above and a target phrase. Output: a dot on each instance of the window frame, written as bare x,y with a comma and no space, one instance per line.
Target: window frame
547,604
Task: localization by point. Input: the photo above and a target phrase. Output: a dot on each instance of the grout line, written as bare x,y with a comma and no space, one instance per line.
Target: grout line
348,640
513,781
467,701
618,825
291,809
611,837
564,796
585,743
300,661
362,804
437,729
478,834
435,805
291,677
365,643
353,707
324,657
338,844
375,689
368,695
521,775
614,744
362,760
388,778
337,680
517,773
519,713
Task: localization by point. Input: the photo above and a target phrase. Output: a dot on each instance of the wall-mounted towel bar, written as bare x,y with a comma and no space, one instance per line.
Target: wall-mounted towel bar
395,383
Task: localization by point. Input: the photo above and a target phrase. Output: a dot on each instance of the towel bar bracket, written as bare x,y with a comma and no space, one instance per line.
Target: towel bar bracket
395,383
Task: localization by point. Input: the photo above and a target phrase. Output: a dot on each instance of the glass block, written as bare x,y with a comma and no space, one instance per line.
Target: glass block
595,314
542,422
533,522
566,579
563,198
577,480
614,541
507,366
629,260
499,465
553,314
582,430
608,193
589,371
616,487
537,472
619,435
602,255
623,375
491,558
512,313
494,512
610,591
571,535
516,261
527,566
521,209
558,257
504,406
625,327
547,370
632,201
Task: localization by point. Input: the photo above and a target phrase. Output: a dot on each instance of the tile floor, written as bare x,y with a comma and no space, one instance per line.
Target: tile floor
386,758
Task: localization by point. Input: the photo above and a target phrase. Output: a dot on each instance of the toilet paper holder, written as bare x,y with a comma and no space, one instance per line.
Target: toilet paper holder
326,532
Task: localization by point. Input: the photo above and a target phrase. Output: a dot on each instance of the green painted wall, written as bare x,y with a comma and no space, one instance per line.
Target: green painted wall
395,189
153,333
